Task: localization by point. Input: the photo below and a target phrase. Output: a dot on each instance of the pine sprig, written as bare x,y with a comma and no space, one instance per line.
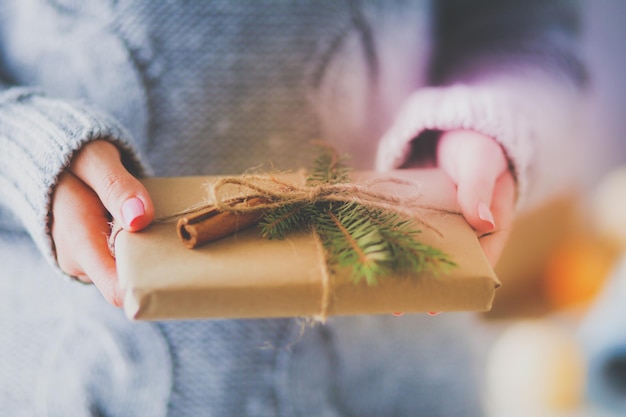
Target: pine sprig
372,242
279,222
354,241
408,253
329,168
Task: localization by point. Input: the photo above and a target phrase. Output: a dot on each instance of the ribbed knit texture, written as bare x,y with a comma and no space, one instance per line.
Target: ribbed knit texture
65,353
217,87
457,108
39,136
510,111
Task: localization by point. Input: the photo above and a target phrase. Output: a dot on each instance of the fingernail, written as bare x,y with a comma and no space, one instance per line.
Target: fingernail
434,313
485,214
398,314
132,209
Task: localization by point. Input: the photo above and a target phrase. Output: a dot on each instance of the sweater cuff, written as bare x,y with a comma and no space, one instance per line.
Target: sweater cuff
459,107
38,137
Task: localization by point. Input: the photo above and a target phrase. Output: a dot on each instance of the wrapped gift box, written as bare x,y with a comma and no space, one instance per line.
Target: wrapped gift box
247,276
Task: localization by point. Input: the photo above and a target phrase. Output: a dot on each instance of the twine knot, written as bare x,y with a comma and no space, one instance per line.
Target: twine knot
273,193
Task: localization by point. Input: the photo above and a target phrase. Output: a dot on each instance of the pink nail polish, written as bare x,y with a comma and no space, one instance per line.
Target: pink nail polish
485,214
398,314
132,209
434,313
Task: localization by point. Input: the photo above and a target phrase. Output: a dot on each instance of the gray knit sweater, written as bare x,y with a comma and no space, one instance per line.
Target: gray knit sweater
206,87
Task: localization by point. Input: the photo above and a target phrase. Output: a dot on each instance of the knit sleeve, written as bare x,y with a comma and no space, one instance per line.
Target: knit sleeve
508,69
38,137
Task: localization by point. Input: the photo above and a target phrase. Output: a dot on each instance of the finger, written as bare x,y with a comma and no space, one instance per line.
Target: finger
475,162
100,267
503,210
99,165
79,229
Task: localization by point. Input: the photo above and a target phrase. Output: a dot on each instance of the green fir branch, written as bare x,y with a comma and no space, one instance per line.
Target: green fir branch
352,240
408,253
279,222
372,242
329,168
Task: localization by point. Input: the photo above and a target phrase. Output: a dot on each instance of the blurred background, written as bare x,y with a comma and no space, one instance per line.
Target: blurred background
559,320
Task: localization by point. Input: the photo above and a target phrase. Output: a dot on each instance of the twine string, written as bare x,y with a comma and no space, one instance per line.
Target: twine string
325,282
278,193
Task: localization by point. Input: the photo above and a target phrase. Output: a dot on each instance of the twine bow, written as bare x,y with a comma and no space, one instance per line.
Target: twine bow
275,193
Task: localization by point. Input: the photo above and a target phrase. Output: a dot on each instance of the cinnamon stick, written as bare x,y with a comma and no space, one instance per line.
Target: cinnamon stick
210,223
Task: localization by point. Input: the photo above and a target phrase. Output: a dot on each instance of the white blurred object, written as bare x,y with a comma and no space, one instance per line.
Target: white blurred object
603,336
609,206
535,369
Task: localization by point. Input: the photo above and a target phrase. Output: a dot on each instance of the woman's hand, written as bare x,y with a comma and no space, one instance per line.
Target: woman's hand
94,189
485,186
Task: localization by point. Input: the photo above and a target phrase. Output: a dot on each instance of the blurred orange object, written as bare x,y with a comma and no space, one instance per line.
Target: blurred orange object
576,271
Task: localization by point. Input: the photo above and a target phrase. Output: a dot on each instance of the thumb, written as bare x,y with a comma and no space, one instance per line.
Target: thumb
99,166
474,162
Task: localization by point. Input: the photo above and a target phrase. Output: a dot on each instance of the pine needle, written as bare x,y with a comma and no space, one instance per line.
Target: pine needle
353,241
408,253
278,223
372,242
329,168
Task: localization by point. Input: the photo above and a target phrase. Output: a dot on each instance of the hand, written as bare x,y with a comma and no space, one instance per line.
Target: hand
485,186
94,189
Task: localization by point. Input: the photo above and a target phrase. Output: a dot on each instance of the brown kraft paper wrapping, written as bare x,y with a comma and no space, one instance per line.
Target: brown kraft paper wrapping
247,276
